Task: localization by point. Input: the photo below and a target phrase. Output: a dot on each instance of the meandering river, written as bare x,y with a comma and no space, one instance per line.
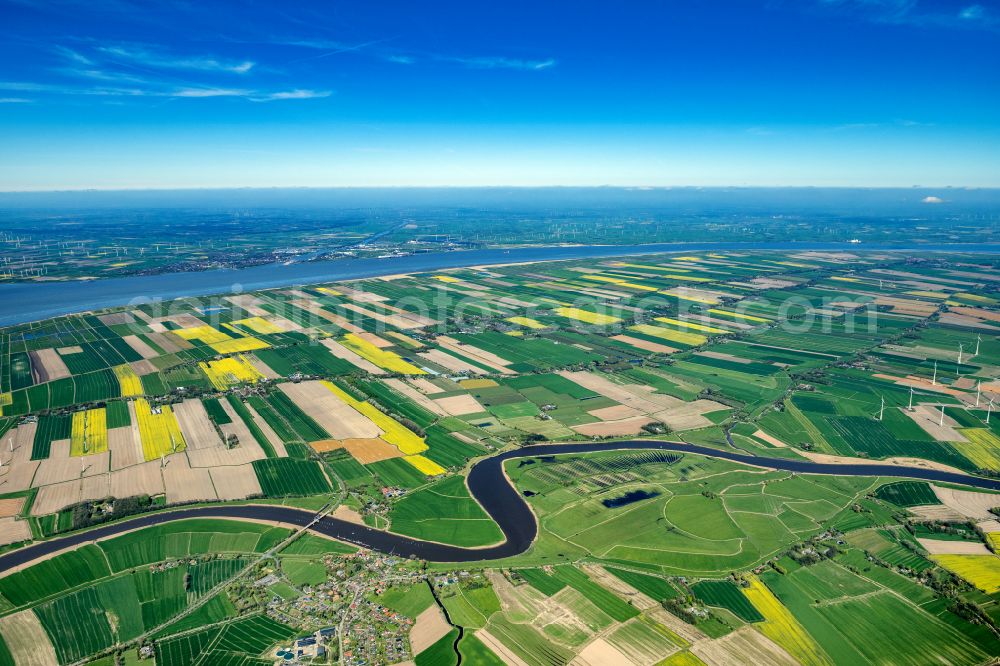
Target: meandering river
490,487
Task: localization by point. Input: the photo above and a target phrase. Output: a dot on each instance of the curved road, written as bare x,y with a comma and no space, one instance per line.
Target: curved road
489,485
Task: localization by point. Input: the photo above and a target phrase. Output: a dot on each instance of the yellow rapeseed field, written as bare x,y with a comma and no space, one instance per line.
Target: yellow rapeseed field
129,382
393,432
425,465
6,399
527,322
477,383
446,278
681,659
230,371
587,317
983,448
781,626
976,298
386,360
738,315
993,539
89,434
329,291
983,571
683,337
219,341
255,324
159,433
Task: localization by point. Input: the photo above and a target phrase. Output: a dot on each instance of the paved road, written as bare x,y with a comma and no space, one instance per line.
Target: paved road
490,487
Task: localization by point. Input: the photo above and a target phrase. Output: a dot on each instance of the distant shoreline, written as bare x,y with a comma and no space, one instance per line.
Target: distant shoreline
22,303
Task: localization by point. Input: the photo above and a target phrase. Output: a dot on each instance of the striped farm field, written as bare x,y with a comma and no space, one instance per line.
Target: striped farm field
230,371
693,326
219,341
236,345
159,431
684,338
89,433
983,571
587,317
393,432
983,448
386,360
781,626
130,383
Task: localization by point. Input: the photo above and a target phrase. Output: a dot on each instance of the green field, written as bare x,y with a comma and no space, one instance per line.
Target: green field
444,512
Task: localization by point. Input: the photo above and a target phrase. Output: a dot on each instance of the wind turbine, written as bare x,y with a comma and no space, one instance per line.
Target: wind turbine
979,338
979,386
910,406
941,420
961,348
934,379
989,411
881,409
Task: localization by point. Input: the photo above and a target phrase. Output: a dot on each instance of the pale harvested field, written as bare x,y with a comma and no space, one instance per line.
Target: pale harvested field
416,395
429,627
237,482
359,295
261,367
743,647
169,343
343,353
140,346
326,445
347,513
185,320
907,306
615,413
425,385
95,487
56,470
942,547
601,653
141,479
724,357
450,362
250,303
522,602
124,445
381,343
928,417
968,502
72,349
52,363
688,632
197,428
276,442
499,649
620,587
371,450
962,320
476,354
186,484
936,512
773,441
248,449
978,313
52,498
630,426
143,367
245,453
989,526
676,413
11,507
13,530
336,417
27,641
115,318
459,405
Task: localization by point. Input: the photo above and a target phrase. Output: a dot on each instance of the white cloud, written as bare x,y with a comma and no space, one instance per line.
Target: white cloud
932,200
499,62
150,58
15,100
293,94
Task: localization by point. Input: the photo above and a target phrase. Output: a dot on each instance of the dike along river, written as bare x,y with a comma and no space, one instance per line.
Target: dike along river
489,485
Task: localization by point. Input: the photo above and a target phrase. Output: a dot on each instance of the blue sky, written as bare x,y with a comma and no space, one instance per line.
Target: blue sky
130,94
